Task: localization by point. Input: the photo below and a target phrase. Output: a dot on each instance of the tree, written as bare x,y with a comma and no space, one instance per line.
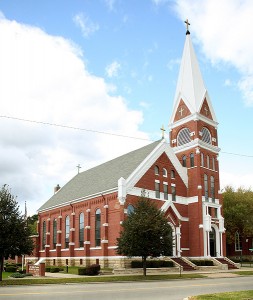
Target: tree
146,232
14,235
32,223
238,212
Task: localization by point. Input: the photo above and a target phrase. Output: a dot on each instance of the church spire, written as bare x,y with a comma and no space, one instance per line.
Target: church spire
190,86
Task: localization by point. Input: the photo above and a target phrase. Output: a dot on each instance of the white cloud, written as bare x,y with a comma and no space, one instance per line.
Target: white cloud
244,180
144,104
159,2
173,62
110,4
112,70
86,25
224,29
227,82
44,78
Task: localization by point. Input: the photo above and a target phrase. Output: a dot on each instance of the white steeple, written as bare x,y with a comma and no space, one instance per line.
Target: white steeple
190,86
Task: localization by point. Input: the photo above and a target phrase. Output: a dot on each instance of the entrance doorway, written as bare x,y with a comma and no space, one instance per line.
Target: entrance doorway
212,242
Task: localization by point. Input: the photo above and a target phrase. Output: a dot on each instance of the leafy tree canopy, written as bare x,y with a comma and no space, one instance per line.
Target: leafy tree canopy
145,232
238,212
14,234
32,223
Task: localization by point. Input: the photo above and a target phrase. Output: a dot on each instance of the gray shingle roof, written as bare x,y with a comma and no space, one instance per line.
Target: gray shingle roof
100,178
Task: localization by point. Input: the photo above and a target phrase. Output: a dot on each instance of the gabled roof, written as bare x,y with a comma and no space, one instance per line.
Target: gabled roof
190,85
100,178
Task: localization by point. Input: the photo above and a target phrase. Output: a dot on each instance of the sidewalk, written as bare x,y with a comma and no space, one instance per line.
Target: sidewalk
209,274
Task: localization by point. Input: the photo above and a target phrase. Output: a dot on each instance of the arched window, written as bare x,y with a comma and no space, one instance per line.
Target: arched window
172,174
44,235
206,135
67,228
165,191
156,170
184,136
184,160
207,162
206,186
81,229
165,174
98,228
173,193
213,163
212,188
54,233
202,160
157,189
192,159
130,209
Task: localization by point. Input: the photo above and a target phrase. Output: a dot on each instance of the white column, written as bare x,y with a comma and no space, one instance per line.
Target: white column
221,245
178,238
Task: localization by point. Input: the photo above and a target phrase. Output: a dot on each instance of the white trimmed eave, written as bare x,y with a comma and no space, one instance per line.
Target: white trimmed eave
194,144
168,204
163,146
77,200
193,117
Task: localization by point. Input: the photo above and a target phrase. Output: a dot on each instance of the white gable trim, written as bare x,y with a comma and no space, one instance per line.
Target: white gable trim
206,96
168,204
163,146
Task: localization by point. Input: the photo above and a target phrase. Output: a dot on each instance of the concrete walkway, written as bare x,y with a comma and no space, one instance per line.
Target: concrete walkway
209,274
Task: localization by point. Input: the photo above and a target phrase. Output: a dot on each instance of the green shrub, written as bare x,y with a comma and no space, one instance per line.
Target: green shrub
168,264
47,269
136,264
201,262
28,274
91,270
17,275
152,264
10,268
54,270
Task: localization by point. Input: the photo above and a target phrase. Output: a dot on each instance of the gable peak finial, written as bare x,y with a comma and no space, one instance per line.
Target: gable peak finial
187,26
163,130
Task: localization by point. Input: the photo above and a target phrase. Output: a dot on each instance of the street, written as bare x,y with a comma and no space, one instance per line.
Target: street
158,290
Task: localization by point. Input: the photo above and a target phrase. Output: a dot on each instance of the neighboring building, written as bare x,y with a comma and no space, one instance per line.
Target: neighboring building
242,248
80,223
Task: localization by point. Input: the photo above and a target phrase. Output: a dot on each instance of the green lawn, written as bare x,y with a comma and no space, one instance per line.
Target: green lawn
242,295
28,281
245,273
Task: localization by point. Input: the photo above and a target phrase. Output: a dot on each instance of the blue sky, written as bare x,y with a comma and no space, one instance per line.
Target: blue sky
112,66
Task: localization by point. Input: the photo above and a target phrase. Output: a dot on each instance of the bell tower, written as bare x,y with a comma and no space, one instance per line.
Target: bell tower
193,138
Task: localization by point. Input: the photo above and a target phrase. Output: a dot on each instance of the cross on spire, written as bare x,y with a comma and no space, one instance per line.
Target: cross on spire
78,168
181,110
187,26
206,110
163,130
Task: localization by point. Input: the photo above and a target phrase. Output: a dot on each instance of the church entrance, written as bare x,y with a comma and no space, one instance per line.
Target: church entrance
212,242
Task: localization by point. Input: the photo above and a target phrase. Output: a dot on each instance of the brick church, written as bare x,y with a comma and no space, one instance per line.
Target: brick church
79,224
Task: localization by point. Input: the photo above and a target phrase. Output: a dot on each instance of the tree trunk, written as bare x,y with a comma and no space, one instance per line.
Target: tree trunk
144,263
1,267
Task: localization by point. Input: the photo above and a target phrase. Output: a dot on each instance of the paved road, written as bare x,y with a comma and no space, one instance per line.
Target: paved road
159,290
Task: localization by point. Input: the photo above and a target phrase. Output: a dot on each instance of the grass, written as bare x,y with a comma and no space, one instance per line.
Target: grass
242,295
245,273
29,281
